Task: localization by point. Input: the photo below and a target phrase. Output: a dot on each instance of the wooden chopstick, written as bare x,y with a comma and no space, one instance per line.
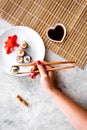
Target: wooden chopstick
46,63
49,69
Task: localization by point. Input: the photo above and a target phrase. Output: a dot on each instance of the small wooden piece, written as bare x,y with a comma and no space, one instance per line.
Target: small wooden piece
22,100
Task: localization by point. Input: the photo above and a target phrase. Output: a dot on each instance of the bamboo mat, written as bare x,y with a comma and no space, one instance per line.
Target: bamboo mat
42,14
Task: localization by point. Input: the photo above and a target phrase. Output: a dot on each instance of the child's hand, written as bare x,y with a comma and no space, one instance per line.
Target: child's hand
47,78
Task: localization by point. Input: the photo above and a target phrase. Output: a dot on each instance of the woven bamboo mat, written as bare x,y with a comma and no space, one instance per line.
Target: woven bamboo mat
42,14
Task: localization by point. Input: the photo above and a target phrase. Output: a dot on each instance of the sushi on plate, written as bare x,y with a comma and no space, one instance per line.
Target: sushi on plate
21,52
27,59
14,69
24,45
19,59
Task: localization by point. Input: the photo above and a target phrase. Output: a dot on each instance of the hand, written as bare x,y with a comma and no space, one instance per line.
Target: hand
46,78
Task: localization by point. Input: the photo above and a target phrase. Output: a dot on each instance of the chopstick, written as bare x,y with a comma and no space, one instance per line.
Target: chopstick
46,63
49,69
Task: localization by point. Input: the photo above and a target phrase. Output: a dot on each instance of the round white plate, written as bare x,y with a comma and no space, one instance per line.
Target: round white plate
36,47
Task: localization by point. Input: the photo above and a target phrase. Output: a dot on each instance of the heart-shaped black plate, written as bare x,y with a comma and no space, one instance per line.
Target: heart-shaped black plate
57,33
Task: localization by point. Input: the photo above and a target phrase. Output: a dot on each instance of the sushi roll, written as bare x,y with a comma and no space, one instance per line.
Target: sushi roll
14,69
24,45
21,52
27,59
19,59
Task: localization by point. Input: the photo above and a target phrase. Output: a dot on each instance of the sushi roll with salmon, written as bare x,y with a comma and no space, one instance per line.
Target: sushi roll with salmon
14,69
27,59
19,59
24,45
21,52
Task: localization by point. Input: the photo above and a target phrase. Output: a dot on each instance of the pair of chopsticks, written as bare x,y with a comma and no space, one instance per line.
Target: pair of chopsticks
48,63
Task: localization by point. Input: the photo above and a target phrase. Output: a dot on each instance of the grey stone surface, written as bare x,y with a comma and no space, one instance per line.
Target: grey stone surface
42,113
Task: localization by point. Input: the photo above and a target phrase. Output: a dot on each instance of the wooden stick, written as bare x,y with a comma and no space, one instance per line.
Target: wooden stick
22,100
46,63
49,69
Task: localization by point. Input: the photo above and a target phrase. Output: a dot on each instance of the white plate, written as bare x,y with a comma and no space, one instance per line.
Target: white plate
36,47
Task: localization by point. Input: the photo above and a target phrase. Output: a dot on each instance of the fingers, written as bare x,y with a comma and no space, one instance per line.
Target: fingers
41,68
33,75
38,66
50,73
